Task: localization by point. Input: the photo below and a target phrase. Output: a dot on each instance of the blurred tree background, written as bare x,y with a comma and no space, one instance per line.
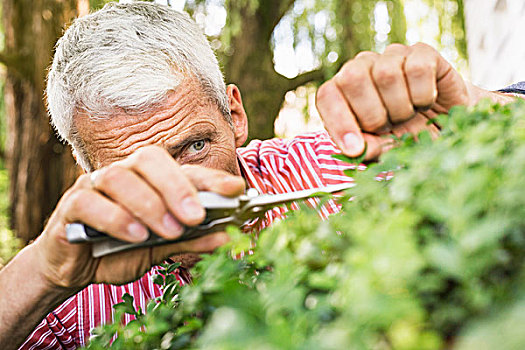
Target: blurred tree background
277,52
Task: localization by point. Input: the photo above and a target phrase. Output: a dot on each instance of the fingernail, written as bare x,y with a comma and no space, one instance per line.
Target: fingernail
353,144
192,209
138,231
173,227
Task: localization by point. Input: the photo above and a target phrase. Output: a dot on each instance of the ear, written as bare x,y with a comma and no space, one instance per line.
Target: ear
239,118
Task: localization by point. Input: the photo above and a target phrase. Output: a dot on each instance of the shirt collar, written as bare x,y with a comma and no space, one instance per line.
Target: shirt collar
251,179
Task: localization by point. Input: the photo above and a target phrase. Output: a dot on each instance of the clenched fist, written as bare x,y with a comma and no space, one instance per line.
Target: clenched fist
149,189
391,93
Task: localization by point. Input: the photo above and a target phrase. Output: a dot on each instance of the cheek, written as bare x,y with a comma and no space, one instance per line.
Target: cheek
222,158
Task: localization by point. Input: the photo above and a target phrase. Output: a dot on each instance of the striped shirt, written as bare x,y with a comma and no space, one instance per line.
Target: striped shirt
271,166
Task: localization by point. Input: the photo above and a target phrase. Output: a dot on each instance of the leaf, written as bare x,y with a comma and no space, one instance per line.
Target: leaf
126,305
158,280
357,160
174,266
170,279
424,137
407,263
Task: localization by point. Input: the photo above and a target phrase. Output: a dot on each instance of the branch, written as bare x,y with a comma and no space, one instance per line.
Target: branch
314,75
284,6
272,13
6,60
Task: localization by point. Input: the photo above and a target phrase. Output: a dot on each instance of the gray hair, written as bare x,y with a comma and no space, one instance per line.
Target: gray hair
127,57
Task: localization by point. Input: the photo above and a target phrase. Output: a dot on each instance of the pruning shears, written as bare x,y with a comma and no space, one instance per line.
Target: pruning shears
220,212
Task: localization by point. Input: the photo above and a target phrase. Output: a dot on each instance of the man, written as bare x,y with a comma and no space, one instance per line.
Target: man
137,92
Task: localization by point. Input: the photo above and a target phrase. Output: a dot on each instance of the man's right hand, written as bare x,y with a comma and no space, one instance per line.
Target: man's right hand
149,189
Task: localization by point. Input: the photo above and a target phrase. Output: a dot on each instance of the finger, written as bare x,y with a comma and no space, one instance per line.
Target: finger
355,82
390,80
416,125
163,173
339,119
130,191
421,72
205,244
377,145
214,180
94,209
126,266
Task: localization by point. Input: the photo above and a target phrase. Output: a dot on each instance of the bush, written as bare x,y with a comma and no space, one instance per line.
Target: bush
431,259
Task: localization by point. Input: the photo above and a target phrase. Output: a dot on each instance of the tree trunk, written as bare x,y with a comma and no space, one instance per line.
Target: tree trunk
251,68
250,65
40,167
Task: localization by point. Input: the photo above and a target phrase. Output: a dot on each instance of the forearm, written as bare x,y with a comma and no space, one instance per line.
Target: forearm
25,298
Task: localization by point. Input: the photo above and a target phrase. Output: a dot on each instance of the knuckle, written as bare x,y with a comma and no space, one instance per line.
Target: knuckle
141,155
373,116
81,182
152,206
384,75
184,192
119,218
422,101
110,174
423,46
402,115
190,169
76,199
351,78
324,92
147,153
418,69
366,55
151,149
374,124
396,46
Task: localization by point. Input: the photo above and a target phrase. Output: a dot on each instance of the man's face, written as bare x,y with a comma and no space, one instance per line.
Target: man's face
187,125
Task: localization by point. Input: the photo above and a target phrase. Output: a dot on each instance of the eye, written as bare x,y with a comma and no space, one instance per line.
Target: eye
197,146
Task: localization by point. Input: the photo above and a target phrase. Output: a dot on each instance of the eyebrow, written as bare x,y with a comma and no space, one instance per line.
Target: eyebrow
194,136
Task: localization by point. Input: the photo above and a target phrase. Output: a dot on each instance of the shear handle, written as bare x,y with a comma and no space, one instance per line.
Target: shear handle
217,207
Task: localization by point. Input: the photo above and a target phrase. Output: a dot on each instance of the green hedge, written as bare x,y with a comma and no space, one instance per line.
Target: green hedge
431,259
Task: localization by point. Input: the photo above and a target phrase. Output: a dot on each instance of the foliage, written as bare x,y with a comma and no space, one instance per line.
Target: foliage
312,38
452,23
268,48
9,244
411,263
340,26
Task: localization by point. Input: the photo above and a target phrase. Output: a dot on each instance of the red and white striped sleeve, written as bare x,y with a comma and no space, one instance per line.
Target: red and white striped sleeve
69,326
331,170
57,331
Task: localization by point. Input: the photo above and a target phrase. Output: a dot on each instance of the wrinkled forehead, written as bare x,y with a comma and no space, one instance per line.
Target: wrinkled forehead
185,112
